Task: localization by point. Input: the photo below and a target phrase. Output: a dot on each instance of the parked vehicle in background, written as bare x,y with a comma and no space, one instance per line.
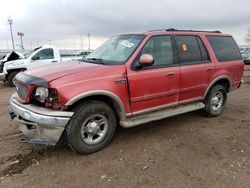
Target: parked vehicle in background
83,53
129,80
76,56
245,52
41,56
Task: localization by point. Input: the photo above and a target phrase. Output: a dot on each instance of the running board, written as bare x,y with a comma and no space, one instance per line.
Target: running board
161,114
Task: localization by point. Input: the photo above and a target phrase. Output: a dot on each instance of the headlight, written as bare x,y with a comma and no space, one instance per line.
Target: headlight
42,93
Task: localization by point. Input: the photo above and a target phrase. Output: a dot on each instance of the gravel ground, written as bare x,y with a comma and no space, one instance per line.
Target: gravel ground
183,151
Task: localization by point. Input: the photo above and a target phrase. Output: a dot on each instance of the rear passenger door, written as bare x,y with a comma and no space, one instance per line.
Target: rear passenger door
195,67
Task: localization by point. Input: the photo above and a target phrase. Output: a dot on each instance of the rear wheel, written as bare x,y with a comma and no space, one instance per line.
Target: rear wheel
91,127
215,101
11,81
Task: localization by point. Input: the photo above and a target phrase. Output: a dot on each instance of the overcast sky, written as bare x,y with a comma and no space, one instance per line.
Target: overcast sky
64,22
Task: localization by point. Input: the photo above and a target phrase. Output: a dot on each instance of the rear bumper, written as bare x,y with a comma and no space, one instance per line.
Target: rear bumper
39,125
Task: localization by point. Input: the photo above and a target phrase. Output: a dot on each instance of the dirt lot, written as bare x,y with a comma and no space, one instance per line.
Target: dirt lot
183,151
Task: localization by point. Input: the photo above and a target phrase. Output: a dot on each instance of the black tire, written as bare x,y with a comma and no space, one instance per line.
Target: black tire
11,79
215,101
91,109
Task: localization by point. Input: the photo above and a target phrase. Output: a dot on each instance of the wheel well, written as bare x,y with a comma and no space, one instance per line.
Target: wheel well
112,103
224,82
13,70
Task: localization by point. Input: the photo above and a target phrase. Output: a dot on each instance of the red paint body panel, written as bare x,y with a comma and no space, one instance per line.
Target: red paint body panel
194,80
152,88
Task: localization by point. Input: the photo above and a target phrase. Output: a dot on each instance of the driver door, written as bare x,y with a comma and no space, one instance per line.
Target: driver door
155,86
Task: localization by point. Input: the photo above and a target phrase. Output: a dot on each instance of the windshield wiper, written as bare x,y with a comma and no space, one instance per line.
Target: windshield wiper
97,60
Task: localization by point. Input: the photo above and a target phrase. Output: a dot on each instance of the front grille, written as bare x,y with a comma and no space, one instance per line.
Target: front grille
22,91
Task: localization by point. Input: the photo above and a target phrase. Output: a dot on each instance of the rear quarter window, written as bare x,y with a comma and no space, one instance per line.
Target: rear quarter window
224,48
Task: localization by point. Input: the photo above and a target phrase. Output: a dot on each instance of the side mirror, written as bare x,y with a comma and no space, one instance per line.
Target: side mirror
146,60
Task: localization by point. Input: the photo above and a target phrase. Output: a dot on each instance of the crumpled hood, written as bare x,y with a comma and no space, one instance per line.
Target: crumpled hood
59,70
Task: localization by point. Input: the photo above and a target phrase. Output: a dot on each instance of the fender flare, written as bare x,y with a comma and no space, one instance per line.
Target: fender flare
116,99
223,77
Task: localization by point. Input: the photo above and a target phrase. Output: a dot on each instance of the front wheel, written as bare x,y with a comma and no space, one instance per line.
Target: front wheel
11,80
215,101
91,127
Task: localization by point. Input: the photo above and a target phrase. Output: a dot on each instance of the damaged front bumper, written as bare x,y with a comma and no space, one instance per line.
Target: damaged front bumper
39,125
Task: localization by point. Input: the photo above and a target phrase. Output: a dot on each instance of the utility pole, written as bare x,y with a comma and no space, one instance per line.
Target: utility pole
89,40
10,21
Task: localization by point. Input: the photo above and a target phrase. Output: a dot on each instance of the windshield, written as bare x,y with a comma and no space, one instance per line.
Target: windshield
29,53
116,50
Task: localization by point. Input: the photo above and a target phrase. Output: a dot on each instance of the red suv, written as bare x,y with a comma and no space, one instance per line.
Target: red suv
129,80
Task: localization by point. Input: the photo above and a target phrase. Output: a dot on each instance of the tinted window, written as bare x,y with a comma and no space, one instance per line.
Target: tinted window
204,54
224,48
46,54
160,47
191,49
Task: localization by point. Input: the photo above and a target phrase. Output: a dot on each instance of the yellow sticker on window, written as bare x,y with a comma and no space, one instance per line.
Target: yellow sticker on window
184,47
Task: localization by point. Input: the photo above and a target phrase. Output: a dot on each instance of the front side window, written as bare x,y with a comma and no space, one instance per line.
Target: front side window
45,54
116,50
191,49
27,55
224,48
160,47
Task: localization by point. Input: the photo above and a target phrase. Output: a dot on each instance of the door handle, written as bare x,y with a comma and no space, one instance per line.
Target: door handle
53,61
171,75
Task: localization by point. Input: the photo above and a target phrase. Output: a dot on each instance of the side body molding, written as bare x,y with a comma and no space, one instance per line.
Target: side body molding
117,101
224,77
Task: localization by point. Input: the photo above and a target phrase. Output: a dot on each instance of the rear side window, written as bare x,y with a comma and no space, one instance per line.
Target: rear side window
224,48
191,49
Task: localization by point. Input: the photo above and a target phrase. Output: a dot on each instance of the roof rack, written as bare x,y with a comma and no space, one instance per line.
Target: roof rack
173,29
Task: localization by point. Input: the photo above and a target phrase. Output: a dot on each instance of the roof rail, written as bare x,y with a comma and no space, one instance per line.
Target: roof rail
173,29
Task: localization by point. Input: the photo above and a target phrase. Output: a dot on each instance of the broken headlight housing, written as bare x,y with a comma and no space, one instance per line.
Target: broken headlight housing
41,94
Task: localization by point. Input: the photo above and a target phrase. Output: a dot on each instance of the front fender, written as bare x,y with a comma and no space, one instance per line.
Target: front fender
116,99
